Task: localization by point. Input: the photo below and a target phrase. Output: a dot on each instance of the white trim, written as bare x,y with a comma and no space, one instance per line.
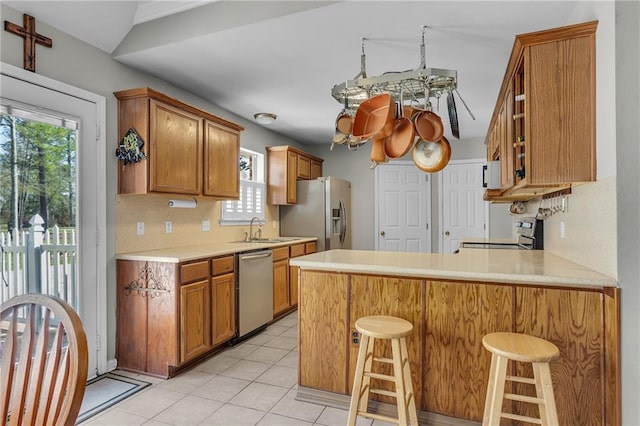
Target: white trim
375,201
101,180
481,161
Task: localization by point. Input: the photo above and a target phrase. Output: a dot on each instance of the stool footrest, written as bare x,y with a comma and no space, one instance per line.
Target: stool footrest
380,376
379,417
523,398
383,392
521,418
521,379
385,360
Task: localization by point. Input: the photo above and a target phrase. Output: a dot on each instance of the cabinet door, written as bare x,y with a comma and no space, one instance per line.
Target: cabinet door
304,167
221,155
323,331
175,151
293,285
571,320
316,169
292,173
195,325
505,139
224,308
456,371
280,286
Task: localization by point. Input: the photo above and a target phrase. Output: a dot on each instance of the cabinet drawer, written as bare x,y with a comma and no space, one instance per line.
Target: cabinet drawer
222,265
194,271
297,250
310,247
280,253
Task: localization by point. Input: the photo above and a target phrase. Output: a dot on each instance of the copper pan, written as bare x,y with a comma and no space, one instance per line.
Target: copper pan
431,156
344,124
401,139
428,125
374,117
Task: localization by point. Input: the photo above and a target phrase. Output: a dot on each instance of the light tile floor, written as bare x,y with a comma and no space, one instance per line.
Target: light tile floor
253,383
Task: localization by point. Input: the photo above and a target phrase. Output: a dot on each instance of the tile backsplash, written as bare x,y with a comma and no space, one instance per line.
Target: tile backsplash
186,223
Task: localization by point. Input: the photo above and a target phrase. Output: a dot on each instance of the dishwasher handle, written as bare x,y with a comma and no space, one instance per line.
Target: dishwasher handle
256,256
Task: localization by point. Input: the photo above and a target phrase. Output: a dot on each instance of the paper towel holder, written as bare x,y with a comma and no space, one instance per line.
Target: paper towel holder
183,204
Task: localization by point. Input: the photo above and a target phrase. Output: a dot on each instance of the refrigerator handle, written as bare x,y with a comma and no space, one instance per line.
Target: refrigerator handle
343,229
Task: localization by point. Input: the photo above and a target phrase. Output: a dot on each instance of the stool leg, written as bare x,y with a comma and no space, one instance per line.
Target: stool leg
495,391
366,382
357,380
544,390
406,371
401,395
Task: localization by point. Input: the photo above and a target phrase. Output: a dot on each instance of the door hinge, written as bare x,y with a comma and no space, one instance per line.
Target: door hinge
97,132
427,224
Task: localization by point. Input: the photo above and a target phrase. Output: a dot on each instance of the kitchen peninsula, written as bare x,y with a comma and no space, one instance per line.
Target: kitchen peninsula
453,301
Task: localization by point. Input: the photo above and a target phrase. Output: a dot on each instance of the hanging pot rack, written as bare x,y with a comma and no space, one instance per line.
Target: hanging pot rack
419,84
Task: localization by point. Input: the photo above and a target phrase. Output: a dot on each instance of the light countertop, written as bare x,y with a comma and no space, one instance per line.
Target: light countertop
482,265
185,254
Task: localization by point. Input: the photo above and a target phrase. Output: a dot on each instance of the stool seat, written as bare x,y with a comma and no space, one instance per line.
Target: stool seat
505,347
384,327
521,347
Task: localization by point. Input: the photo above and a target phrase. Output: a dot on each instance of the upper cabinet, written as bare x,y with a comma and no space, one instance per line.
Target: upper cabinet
543,127
285,166
189,151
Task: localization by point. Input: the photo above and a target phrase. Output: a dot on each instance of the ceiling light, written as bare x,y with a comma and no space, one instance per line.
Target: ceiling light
264,117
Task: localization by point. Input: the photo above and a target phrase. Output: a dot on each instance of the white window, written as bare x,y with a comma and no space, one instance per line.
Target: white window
252,191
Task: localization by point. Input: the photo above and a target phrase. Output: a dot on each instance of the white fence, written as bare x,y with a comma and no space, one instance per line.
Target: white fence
39,261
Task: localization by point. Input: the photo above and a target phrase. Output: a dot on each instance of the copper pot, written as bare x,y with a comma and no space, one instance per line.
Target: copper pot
428,125
431,156
344,124
377,150
374,117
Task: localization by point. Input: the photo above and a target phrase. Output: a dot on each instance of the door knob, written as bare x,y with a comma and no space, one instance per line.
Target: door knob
446,233
382,233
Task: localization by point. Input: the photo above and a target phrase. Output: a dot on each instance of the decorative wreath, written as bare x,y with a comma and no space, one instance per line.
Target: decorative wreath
130,148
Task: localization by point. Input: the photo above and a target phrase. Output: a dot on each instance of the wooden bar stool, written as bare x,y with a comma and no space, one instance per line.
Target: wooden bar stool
394,329
523,348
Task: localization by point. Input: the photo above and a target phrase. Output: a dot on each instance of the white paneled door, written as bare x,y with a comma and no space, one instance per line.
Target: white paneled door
402,208
463,211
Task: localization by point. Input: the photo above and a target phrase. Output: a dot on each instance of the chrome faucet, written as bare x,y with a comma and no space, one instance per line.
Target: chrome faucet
259,231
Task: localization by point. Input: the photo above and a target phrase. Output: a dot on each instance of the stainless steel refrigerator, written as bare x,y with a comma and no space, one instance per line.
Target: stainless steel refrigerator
323,210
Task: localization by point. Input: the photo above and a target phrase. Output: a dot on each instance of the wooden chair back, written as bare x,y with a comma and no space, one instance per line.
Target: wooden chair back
44,361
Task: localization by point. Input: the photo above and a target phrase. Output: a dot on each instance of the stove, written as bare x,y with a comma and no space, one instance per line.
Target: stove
530,236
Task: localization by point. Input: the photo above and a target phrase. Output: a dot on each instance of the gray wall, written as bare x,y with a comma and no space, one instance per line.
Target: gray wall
628,195
76,63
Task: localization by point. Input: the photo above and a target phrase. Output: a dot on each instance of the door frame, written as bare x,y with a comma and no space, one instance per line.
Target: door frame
428,196
480,162
101,202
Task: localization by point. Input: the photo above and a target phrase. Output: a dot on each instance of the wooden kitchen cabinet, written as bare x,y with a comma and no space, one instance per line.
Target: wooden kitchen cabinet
221,159
188,150
223,291
195,326
280,280
172,315
543,127
295,251
285,166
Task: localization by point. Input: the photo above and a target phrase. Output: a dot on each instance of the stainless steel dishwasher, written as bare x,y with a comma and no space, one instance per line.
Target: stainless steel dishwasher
255,291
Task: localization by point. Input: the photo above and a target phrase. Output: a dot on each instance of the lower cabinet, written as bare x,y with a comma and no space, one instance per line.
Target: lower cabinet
195,323
170,315
449,365
285,277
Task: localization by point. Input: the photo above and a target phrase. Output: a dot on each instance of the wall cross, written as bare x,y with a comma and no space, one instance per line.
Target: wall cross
31,37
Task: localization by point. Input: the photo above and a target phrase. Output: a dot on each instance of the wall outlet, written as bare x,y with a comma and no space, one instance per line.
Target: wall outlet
140,228
562,230
167,227
206,226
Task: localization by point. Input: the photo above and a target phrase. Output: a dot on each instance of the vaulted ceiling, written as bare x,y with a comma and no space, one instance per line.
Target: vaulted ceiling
284,57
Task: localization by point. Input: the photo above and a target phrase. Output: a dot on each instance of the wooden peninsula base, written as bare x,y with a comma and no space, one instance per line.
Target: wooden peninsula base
449,365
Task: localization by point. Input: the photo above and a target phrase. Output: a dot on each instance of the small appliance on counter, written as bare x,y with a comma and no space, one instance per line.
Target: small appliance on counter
530,233
323,211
